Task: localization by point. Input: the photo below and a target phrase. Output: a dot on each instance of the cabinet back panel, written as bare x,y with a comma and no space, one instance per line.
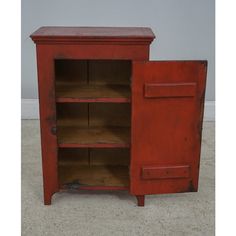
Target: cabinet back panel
69,114
93,115
100,156
94,72
101,114
74,71
70,156
94,156
109,72
93,167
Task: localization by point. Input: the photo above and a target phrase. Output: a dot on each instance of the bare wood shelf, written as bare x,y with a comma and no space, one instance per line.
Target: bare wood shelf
71,92
82,176
71,137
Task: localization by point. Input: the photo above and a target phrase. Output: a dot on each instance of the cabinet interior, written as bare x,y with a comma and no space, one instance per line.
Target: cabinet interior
93,122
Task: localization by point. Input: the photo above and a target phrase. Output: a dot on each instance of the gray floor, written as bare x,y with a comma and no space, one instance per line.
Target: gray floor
114,213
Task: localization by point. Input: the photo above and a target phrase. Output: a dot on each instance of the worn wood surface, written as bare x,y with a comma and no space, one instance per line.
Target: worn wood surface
93,34
72,114
141,200
171,90
47,108
93,137
110,156
56,48
94,72
71,71
93,81
109,72
93,175
94,169
95,156
107,114
97,51
166,125
71,155
79,188
165,172
92,93
90,65
93,115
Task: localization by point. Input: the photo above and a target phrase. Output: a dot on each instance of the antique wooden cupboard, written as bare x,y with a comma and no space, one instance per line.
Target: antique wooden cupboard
113,120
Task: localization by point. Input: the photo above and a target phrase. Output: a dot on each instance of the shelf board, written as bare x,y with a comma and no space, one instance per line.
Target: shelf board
71,92
86,177
94,188
100,137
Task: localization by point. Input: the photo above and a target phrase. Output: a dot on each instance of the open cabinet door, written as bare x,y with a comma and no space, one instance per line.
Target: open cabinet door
167,113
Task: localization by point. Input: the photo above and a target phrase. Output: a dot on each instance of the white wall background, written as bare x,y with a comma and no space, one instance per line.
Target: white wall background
184,29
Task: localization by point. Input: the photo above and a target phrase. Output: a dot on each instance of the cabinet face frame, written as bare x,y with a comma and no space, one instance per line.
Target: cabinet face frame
46,55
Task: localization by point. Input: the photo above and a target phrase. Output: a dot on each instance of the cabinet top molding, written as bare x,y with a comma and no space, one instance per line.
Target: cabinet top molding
113,35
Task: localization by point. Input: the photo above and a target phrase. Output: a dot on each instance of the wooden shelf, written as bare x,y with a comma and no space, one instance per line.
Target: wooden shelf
83,176
71,92
106,137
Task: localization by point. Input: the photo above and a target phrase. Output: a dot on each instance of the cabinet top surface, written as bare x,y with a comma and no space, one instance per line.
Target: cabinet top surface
73,34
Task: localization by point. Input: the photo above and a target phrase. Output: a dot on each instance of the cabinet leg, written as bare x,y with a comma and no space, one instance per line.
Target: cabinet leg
140,199
47,199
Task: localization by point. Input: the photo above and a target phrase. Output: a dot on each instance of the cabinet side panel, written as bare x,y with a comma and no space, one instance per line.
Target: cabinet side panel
46,86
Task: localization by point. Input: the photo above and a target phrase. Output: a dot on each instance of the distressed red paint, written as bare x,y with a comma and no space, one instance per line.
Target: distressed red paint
167,99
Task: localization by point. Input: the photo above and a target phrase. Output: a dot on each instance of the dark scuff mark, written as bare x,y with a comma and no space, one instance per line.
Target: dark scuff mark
191,187
73,186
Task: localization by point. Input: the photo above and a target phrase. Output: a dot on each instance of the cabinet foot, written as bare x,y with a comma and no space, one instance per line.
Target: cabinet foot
48,200
140,199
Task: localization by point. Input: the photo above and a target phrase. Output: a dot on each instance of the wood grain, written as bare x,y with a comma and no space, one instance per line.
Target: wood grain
93,137
94,156
92,93
71,71
110,72
93,80
108,114
93,114
110,156
93,175
69,156
72,114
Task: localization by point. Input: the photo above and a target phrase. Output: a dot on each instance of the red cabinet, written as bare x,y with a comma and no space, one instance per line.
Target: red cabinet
113,120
